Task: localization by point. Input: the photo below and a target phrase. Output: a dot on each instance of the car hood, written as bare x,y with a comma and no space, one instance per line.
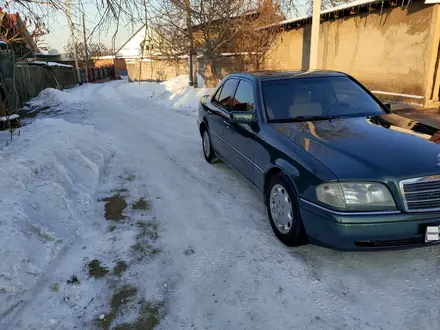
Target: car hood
371,148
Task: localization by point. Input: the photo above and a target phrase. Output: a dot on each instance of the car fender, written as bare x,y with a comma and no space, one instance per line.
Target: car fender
286,167
204,121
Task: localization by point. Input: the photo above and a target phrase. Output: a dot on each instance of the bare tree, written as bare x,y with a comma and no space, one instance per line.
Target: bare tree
19,39
257,33
218,26
89,57
293,8
22,35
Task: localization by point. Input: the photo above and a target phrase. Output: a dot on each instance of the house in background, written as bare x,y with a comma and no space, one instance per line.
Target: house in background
14,32
142,44
50,55
139,55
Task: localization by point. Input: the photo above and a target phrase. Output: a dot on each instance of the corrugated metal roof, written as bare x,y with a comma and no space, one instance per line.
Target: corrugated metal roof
329,10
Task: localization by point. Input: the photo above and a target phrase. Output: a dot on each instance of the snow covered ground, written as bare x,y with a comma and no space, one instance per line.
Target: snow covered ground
112,219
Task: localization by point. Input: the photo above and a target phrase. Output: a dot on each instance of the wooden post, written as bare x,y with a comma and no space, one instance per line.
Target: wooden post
432,86
69,21
85,48
192,76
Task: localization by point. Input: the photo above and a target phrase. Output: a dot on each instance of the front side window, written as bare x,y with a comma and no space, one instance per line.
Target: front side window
216,98
244,97
317,97
226,93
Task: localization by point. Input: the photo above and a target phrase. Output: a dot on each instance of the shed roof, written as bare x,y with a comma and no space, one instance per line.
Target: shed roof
356,3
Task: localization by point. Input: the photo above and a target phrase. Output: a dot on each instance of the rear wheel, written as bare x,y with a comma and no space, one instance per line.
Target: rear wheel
208,151
283,210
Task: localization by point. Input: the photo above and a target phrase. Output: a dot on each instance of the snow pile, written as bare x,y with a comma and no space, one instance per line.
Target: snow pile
51,97
183,96
48,98
49,176
174,93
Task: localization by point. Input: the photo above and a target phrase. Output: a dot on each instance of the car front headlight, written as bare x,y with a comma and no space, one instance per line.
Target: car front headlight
356,196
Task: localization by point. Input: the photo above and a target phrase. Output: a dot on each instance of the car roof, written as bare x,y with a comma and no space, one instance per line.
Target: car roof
275,75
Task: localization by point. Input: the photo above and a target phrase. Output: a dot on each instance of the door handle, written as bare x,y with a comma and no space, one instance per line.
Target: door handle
226,123
209,112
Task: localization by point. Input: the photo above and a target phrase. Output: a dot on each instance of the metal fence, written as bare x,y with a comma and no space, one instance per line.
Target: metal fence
97,74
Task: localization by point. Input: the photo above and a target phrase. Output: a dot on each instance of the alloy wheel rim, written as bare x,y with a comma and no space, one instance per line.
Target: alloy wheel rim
206,144
281,209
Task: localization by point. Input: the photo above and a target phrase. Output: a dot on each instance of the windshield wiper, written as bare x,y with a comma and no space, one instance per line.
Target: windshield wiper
302,118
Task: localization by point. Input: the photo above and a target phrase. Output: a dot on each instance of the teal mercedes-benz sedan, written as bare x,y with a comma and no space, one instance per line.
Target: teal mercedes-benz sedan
335,166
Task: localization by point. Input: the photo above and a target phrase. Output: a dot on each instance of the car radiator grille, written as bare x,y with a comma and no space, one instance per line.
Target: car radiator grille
421,194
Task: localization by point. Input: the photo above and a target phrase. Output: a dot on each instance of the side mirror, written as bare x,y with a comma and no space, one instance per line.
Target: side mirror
242,117
204,99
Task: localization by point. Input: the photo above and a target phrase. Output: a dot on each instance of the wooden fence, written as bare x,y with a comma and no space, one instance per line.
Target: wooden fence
31,80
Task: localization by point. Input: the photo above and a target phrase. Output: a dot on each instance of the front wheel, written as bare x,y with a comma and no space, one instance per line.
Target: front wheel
208,151
283,210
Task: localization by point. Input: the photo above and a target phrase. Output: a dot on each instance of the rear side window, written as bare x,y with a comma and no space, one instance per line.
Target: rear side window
244,97
225,96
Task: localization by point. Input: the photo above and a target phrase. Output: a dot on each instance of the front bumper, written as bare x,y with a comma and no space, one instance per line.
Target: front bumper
366,231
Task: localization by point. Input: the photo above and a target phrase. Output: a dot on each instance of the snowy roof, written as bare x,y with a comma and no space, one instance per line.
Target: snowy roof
7,118
52,64
132,47
38,63
48,52
59,64
327,11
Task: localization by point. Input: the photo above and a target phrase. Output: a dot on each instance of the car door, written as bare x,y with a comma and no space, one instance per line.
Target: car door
217,113
240,138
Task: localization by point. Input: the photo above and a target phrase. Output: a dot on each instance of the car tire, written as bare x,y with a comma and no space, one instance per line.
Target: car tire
208,150
284,212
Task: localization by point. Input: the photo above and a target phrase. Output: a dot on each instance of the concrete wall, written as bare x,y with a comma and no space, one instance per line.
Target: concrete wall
120,67
387,52
156,70
213,71
118,63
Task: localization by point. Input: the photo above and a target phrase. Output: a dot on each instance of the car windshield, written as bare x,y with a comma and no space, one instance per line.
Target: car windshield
317,98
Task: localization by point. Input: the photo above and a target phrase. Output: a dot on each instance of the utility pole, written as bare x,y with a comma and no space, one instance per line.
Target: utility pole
85,49
314,41
72,33
192,76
